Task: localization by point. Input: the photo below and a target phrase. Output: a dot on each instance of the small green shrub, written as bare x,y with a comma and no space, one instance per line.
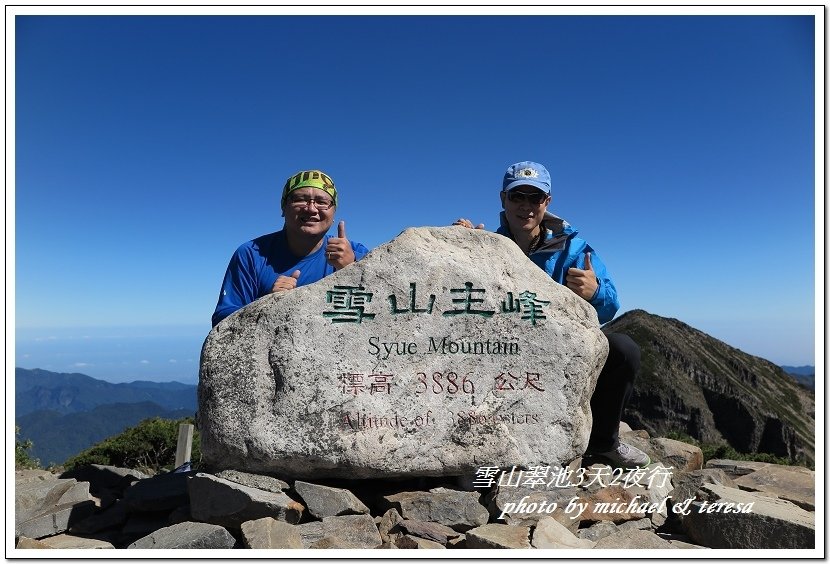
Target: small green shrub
150,445
682,437
22,458
713,451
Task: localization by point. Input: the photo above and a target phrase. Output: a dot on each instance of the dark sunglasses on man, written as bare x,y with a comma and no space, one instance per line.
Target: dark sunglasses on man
535,198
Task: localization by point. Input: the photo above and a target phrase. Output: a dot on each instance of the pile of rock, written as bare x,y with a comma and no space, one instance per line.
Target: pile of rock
674,503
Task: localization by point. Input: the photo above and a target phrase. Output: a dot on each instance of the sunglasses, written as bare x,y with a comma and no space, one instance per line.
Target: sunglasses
535,198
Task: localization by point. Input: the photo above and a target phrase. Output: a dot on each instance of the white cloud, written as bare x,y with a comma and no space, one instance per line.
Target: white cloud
172,361
82,364
144,362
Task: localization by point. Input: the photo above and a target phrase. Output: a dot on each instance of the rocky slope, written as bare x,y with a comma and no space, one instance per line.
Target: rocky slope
695,384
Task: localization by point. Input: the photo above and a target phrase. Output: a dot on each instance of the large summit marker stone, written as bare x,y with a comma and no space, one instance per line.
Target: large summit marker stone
441,352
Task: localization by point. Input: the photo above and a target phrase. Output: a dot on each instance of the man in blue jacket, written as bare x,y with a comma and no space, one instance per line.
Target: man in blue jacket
300,253
551,243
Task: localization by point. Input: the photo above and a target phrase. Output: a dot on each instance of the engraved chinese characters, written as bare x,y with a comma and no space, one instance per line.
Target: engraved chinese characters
441,349
462,301
349,302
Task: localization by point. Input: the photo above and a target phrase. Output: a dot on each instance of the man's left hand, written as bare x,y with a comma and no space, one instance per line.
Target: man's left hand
463,222
583,282
339,251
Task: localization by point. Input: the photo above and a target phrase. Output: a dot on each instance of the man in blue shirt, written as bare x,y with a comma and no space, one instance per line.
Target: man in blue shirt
551,243
300,253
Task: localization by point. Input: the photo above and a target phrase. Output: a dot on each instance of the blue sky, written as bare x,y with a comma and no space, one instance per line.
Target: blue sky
148,148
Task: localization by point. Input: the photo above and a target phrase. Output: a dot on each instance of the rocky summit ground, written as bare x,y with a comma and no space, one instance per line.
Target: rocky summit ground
675,503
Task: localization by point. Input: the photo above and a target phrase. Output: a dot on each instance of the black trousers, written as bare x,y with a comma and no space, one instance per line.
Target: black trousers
614,387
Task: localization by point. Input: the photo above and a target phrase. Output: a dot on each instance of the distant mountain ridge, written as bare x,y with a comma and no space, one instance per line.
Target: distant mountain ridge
63,414
70,393
805,370
804,375
57,437
694,384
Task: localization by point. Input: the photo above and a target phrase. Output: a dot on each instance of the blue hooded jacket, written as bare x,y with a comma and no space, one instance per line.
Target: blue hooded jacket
559,250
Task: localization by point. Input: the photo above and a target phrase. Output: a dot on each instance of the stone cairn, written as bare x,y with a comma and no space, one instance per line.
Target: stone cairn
435,394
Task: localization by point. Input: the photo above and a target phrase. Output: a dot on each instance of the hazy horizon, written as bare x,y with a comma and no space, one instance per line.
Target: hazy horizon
154,353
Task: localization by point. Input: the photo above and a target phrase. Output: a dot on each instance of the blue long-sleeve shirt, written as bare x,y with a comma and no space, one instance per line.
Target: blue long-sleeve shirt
257,264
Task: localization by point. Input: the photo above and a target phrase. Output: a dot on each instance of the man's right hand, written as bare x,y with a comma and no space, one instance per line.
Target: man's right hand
467,223
285,283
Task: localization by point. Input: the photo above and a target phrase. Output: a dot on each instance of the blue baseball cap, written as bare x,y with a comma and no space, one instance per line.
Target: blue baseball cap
526,173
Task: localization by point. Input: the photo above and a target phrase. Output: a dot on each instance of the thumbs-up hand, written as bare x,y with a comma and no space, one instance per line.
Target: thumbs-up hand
285,283
583,281
339,251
